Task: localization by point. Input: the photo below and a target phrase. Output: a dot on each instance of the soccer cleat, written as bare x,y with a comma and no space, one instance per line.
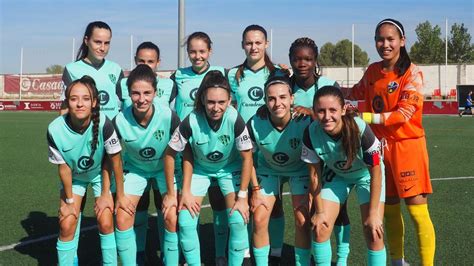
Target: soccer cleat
247,262
274,260
400,262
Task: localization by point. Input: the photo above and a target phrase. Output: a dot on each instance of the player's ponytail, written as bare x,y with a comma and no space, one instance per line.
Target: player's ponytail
84,50
403,62
268,62
350,131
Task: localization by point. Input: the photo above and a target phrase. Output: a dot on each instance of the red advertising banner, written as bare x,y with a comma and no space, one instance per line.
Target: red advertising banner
30,105
34,84
440,107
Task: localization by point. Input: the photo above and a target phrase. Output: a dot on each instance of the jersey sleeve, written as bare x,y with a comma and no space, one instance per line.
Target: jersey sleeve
174,122
111,140
411,99
114,123
308,155
54,156
181,136
251,135
174,92
370,147
242,140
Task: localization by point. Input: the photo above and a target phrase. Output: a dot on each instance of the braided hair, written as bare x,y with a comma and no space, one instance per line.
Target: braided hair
89,83
305,42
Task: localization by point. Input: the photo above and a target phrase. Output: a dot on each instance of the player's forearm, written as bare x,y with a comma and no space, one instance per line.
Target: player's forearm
118,173
247,166
169,164
375,188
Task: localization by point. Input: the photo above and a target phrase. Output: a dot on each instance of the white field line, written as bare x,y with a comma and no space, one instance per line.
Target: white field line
92,227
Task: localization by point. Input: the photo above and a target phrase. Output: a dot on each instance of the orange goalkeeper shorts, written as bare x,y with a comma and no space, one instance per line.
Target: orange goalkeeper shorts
407,168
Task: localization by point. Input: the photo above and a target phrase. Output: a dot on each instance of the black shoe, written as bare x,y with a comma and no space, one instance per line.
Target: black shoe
141,258
247,262
274,261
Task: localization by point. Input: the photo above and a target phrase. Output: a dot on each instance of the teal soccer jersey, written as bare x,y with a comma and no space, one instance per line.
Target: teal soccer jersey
144,145
318,145
106,77
187,83
305,97
278,152
248,92
215,149
165,92
74,148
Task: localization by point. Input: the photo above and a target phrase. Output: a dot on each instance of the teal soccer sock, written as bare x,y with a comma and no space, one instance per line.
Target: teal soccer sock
377,257
126,246
238,239
276,230
220,232
109,249
170,247
322,253
261,255
302,256
188,237
66,252
342,234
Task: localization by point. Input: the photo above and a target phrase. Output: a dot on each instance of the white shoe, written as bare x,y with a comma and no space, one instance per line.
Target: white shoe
400,262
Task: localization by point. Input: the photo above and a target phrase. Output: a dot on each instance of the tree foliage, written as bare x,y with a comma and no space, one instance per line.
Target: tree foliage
429,48
54,69
341,54
460,49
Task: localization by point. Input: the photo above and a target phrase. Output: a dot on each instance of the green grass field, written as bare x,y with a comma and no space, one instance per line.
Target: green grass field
29,199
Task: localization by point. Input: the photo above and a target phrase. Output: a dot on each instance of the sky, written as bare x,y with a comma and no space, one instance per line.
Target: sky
50,32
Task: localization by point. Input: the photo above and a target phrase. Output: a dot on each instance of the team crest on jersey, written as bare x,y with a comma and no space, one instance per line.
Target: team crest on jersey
377,104
215,156
159,134
85,162
159,93
103,97
113,78
192,93
224,139
294,143
255,93
147,152
280,157
340,165
392,86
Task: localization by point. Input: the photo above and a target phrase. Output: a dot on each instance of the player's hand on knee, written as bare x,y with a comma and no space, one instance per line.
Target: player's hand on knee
103,203
125,204
241,205
373,227
258,200
319,223
169,203
188,201
66,211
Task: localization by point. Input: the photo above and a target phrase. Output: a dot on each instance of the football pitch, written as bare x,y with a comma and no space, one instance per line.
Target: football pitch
30,184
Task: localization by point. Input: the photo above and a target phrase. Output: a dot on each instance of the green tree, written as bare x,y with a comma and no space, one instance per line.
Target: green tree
460,49
429,48
341,54
54,69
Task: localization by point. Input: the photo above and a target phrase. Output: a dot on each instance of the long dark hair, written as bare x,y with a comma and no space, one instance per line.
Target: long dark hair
350,131
84,50
90,84
305,42
268,62
403,62
213,79
142,72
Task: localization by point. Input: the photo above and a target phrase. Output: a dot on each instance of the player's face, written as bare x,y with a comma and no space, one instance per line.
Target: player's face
279,100
388,43
303,62
329,112
98,44
254,45
199,54
142,94
80,102
216,101
148,57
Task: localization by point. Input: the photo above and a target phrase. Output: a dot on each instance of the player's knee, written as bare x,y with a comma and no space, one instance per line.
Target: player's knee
170,222
67,227
260,220
106,223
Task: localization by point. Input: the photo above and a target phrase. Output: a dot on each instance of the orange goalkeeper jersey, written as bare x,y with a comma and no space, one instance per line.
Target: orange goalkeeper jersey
398,100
